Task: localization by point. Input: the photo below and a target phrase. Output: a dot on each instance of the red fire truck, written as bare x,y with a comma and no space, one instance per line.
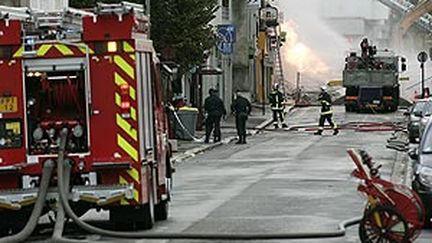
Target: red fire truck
96,74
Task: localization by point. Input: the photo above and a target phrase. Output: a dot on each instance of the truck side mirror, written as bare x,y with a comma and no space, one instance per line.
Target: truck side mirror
413,154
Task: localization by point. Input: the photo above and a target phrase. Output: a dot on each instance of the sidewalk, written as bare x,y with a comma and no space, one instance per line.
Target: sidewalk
256,122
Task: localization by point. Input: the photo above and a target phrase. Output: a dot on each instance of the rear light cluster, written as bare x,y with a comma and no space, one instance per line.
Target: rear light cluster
125,105
45,137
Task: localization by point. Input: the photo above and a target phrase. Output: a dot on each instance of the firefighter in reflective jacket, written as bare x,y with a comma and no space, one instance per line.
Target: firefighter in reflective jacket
326,112
277,105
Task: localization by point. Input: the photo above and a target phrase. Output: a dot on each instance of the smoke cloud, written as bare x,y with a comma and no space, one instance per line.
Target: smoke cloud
312,47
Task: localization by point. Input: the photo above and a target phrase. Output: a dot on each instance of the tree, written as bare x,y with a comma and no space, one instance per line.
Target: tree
181,30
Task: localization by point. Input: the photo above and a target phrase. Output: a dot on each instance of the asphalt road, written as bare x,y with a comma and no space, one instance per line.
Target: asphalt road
279,182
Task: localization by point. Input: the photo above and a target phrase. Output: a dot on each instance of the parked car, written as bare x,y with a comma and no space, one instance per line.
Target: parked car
424,120
420,108
422,181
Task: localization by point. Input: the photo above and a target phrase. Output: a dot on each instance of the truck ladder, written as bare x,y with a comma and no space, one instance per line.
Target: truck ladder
278,71
118,8
20,13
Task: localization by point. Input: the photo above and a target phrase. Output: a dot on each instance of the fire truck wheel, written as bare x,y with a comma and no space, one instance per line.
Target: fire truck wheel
131,217
12,223
161,210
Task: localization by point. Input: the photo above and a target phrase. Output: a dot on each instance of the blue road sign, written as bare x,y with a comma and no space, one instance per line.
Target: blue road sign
226,35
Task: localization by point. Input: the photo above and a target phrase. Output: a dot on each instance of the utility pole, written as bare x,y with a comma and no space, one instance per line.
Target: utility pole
262,47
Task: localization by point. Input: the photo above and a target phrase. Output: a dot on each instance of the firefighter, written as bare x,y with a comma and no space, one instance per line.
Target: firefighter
241,108
214,109
364,45
326,112
277,105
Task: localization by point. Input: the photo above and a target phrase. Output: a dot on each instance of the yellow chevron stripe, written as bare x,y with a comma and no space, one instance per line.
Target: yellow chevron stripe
65,50
123,124
127,47
133,113
136,195
120,81
117,99
134,174
132,92
84,50
43,50
132,56
129,149
19,52
123,65
122,181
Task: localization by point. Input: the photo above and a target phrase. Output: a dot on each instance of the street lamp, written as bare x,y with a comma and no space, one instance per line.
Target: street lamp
268,17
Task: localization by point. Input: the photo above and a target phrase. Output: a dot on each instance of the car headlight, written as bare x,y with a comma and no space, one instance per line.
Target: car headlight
415,124
38,134
78,131
425,176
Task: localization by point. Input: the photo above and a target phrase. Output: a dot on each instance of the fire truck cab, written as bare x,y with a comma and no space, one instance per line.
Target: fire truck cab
95,74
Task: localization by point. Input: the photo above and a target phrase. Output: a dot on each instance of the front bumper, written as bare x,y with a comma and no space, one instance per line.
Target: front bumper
99,195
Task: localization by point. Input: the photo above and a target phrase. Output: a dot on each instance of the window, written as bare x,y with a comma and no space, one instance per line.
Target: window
225,3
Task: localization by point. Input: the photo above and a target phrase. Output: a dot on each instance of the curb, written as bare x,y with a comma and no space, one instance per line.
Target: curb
193,152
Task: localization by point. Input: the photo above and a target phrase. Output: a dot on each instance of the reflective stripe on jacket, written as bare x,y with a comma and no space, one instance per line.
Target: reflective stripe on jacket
276,100
326,107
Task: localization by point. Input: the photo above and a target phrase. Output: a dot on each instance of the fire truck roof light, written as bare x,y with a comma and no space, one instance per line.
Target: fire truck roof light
112,46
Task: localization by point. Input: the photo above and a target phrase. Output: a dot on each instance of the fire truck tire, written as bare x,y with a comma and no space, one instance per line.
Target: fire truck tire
161,210
14,222
131,217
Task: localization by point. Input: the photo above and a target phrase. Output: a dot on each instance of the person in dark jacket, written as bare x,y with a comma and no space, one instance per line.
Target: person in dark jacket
326,112
241,108
214,109
277,106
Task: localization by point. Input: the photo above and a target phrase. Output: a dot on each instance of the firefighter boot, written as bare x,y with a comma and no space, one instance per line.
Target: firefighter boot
318,132
244,140
284,125
276,126
336,131
240,140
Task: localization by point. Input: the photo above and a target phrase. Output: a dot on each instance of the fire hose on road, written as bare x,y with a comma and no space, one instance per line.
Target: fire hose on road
63,172
356,126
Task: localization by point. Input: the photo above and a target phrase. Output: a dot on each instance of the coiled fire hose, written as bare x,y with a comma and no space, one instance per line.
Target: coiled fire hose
340,232
37,209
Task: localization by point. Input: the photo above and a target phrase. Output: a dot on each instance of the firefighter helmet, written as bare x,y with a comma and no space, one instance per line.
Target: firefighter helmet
324,88
276,86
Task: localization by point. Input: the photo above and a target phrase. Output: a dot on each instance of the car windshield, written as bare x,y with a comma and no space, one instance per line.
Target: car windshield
427,108
419,106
